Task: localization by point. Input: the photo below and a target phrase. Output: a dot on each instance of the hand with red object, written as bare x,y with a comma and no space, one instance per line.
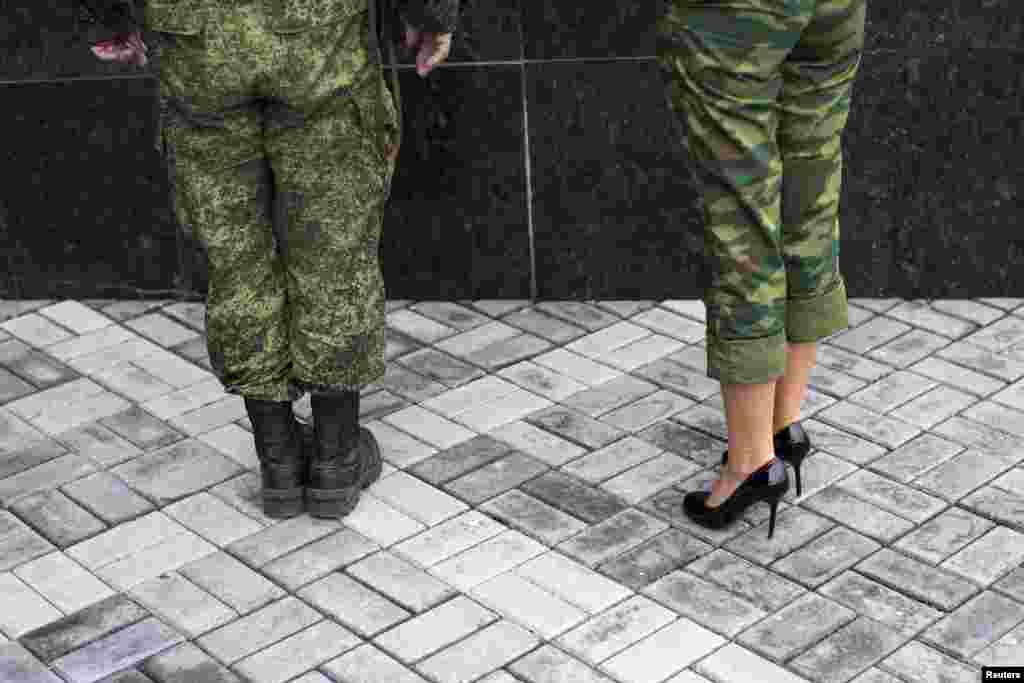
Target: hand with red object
126,48
433,48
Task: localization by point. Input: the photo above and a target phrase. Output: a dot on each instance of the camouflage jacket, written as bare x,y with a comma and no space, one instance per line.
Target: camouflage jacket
120,16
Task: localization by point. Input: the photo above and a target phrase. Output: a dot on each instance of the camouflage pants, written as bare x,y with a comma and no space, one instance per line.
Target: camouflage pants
281,146
764,87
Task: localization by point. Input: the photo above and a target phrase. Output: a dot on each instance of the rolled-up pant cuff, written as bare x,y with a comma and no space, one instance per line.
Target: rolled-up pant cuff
810,320
763,360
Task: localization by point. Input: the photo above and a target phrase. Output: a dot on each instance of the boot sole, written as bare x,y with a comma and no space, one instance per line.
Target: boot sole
336,503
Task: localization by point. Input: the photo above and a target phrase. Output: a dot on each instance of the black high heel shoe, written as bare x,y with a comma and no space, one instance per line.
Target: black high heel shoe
791,445
769,483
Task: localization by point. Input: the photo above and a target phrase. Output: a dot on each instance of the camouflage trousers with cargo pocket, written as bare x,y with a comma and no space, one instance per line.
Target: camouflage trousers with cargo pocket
764,87
281,140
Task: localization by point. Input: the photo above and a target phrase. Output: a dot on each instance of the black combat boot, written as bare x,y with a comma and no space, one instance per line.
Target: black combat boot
345,459
279,449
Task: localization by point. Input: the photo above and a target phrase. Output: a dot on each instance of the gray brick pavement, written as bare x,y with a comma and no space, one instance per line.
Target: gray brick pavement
528,525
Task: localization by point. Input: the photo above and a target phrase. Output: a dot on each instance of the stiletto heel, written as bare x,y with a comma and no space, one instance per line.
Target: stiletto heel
771,519
792,445
769,484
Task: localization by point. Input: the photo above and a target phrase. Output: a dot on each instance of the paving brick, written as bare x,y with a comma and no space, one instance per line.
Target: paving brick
212,518
794,527
757,585
461,459
849,651
117,651
975,624
182,604
871,334
496,477
75,316
652,559
483,652
1002,506
663,653
36,330
542,380
295,654
735,664
943,535
21,608
17,665
873,675
1012,584
708,417
933,407
518,404
842,444
609,395
909,348
133,382
611,460
487,560
186,663
826,556
981,437
406,584
208,418
368,664
352,604
983,561
962,473
612,537
468,396
918,662
580,368
48,475
641,351
19,543
417,499
614,630
576,426
1005,651
435,629
609,338
449,538
930,585
892,496
532,517
572,582
545,326
705,603
869,424
915,457
63,582
1000,366
892,390
647,410
280,539
429,427
397,447
537,443
319,558
548,664
859,515
99,444
528,605
13,387
833,382
68,633
381,523
177,471
873,600
507,351
232,582
805,621
57,517
963,379
650,477
1000,335
418,326
998,416
853,364
573,496
691,308
161,329
256,631
817,473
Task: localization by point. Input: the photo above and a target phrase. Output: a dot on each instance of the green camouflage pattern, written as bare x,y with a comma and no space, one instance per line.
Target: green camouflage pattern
764,87
281,145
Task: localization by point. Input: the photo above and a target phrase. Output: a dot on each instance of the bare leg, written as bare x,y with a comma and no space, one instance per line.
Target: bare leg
748,412
791,388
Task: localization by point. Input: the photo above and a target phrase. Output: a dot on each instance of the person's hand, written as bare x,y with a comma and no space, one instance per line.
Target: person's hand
433,48
126,48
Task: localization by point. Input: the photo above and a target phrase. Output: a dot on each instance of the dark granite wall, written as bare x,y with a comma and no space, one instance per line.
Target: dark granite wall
932,200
